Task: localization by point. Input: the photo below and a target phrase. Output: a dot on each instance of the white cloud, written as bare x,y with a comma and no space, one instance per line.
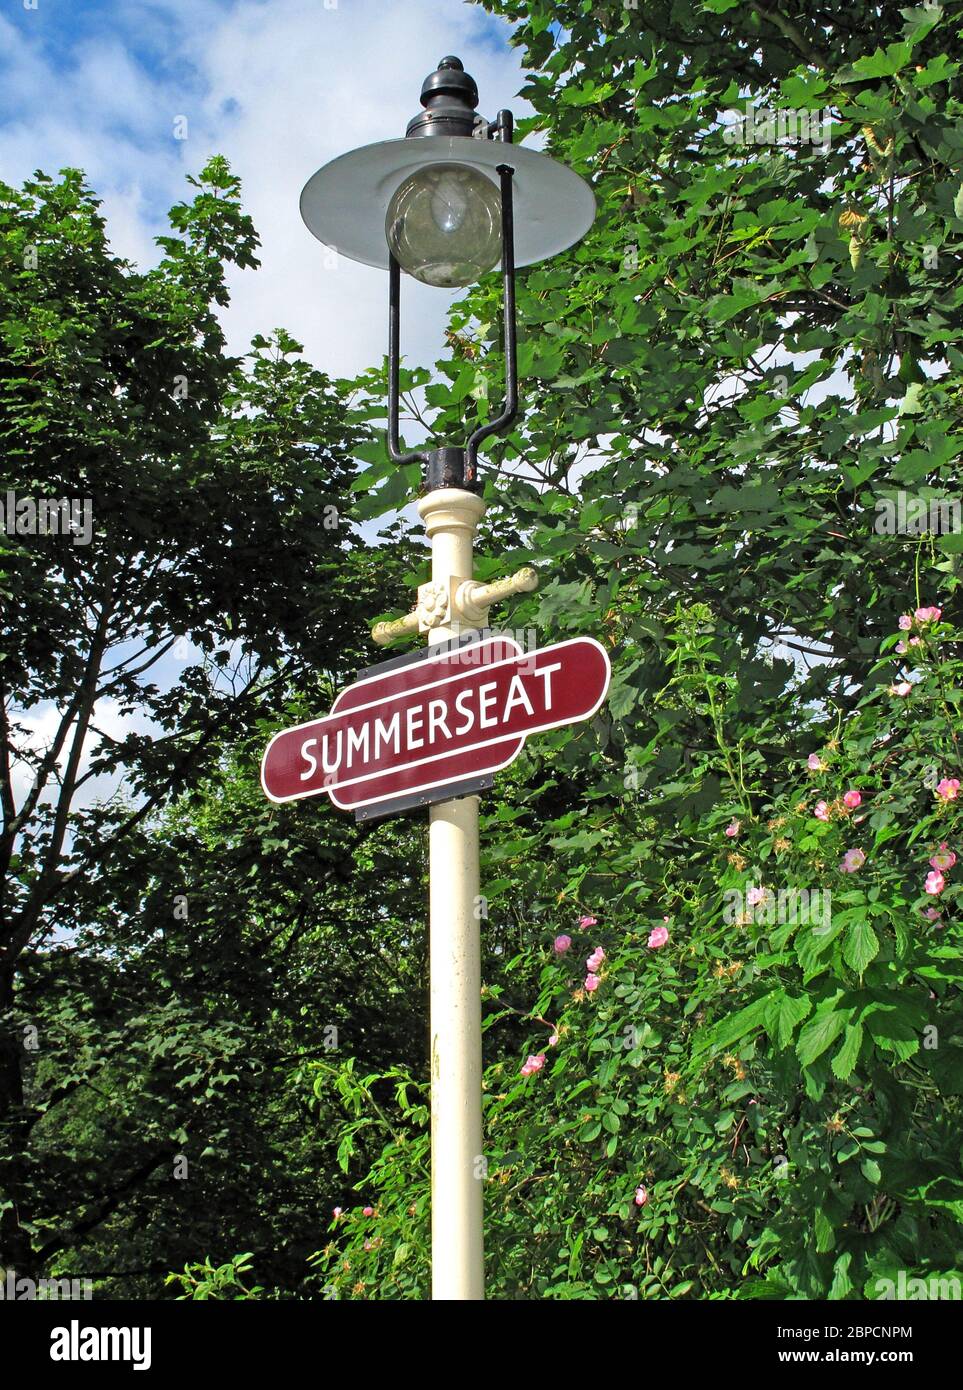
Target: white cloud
279,88
40,729
355,79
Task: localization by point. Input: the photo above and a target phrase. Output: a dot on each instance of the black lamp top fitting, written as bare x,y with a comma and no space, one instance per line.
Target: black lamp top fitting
449,97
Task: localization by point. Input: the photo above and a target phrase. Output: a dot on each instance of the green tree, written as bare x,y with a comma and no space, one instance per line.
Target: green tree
223,573
255,948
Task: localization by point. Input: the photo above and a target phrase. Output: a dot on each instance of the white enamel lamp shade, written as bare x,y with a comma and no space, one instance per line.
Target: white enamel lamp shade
345,203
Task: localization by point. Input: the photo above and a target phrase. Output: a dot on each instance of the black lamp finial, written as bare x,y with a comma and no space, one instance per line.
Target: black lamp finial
449,97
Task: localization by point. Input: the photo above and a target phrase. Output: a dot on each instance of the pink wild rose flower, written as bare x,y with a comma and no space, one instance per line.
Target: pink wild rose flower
534,1064
853,859
562,944
592,982
935,882
852,799
905,622
821,811
943,859
641,1196
928,615
732,829
586,922
594,963
948,788
658,936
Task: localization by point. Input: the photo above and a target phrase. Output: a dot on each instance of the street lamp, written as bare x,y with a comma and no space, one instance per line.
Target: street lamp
446,204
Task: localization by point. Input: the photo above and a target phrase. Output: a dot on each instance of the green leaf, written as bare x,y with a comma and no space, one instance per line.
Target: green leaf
824,1231
622,698
845,1059
818,1034
812,948
842,1284
861,945
735,1027
784,1016
880,64
891,1030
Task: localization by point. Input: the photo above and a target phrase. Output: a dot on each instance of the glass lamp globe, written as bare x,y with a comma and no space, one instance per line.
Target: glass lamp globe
444,225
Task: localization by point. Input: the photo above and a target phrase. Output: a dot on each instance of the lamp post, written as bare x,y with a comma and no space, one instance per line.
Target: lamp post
446,204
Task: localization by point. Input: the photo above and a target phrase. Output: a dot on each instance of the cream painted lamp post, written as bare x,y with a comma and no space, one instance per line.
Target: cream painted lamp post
446,204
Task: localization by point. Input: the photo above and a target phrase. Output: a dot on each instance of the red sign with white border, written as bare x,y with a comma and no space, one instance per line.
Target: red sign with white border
418,728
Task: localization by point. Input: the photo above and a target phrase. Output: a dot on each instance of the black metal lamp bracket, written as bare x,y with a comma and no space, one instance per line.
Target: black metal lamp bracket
394,368
509,338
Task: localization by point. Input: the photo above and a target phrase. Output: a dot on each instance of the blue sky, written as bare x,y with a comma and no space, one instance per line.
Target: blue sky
279,87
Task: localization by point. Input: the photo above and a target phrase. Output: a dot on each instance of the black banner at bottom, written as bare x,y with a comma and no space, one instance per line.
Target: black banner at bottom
167,1338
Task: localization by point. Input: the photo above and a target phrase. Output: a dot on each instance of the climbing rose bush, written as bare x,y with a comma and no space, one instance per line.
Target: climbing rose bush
751,359
764,1103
